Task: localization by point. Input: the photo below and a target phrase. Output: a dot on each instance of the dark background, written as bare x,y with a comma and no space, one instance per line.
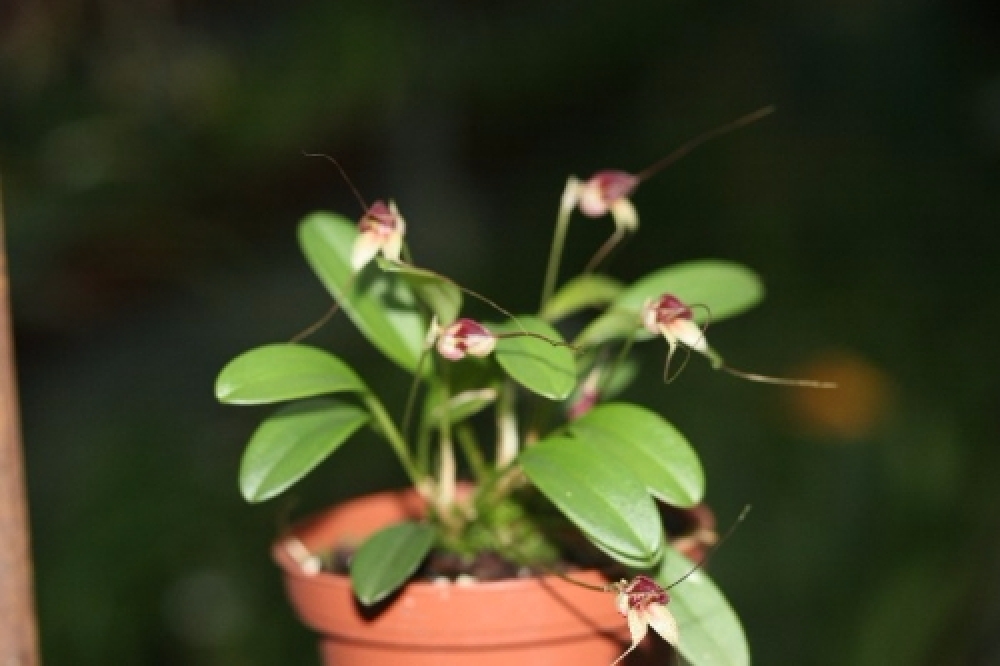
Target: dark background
153,180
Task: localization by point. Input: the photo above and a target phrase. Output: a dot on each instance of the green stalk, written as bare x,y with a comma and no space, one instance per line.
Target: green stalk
619,359
507,436
470,449
447,476
558,242
447,469
424,449
392,435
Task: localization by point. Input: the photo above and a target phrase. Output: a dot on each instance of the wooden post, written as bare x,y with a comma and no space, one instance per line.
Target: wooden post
18,632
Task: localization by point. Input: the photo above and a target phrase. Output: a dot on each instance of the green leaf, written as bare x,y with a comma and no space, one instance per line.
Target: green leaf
462,406
606,502
547,369
381,305
710,631
584,291
611,325
715,290
279,372
648,445
388,558
291,442
440,294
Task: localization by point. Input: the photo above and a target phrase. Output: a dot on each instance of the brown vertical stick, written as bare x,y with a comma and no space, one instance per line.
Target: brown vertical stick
18,632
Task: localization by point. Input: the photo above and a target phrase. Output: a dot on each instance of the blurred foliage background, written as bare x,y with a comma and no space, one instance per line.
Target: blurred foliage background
153,176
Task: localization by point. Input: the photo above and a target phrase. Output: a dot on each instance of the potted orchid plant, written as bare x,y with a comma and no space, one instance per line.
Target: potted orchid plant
568,481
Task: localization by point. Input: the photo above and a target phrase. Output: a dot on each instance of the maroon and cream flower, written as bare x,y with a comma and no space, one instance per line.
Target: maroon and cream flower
465,336
668,316
644,604
381,230
605,192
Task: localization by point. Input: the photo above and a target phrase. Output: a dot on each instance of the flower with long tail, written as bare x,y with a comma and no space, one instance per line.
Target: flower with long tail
670,317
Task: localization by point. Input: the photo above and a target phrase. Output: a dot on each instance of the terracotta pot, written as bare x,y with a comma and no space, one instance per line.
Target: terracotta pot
529,622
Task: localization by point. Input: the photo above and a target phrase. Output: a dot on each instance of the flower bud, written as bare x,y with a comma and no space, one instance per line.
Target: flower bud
588,396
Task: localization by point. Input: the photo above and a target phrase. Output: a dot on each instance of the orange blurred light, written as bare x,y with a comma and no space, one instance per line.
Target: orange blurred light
861,401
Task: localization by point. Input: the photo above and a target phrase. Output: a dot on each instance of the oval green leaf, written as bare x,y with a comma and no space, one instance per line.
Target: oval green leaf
710,631
292,441
606,502
388,558
540,366
584,291
437,292
656,452
382,305
279,372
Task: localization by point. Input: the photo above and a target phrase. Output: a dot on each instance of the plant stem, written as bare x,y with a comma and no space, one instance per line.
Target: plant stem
558,242
447,470
392,435
471,451
414,385
619,359
605,249
507,436
424,449
497,484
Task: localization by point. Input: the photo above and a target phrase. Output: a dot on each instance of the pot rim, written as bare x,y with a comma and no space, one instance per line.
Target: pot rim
302,533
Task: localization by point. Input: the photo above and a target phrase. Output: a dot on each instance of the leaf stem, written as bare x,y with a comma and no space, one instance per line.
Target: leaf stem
392,435
414,385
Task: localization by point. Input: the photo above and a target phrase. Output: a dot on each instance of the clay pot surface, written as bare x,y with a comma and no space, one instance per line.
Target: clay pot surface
528,622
